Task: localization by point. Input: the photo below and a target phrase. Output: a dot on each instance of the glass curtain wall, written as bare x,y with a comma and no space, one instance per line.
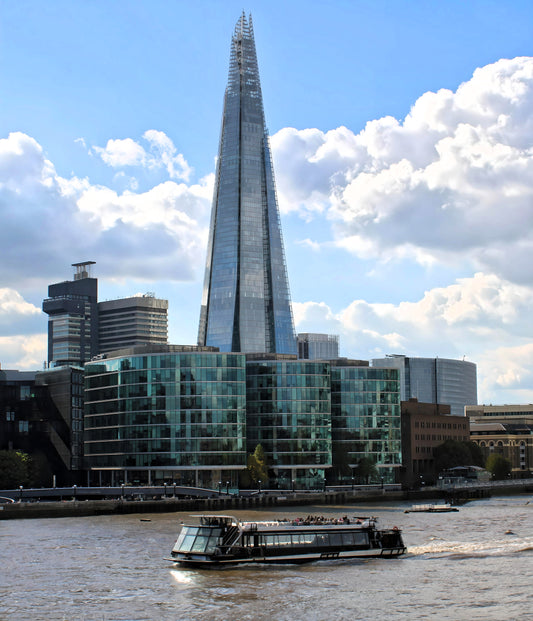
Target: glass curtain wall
289,414
246,301
365,413
167,417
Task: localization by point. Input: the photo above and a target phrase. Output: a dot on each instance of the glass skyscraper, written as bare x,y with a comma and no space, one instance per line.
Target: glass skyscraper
246,302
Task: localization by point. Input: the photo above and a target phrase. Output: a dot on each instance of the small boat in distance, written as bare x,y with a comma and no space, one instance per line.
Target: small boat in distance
443,508
219,540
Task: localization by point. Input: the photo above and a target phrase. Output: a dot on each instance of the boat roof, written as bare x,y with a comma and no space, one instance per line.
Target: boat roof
315,522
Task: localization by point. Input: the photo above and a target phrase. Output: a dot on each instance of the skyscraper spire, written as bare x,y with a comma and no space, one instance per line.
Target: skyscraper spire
246,302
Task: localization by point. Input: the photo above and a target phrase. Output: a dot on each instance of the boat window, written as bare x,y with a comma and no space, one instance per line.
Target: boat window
297,540
308,539
187,543
284,540
322,539
206,531
200,544
212,543
193,539
361,539
335,539
347,539
271,540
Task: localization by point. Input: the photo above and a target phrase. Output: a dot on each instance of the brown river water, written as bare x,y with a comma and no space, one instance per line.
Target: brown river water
461,565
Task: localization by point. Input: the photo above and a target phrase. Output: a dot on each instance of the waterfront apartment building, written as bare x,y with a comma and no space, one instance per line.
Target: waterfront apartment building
314,346
246,303
435,380
127,322
72,312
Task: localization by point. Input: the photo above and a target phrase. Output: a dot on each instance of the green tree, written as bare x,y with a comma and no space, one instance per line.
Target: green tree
341,461
498,466
366,469
14,469
257,465
478,458
452,453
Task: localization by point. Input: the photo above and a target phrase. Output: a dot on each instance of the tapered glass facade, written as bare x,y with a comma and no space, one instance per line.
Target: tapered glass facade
246,301
366,422
168,416
289,414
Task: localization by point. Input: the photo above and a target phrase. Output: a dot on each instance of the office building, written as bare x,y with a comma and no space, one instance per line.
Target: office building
365,419
166,413
72,312
245,302
312,346
288,405
132,321
80,327
63,409
424,427
507,430
435,380
41,415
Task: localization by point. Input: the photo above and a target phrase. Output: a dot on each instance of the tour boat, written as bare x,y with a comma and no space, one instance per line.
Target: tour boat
217,540
444,508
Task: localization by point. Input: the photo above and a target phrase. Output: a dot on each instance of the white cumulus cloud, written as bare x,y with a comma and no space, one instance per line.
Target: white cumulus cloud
161,153
451,182
483,318
49,221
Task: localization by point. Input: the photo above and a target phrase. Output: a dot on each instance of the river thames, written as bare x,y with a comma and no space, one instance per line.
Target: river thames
461,565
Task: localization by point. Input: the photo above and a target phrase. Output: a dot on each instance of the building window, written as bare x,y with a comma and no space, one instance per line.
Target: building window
23,426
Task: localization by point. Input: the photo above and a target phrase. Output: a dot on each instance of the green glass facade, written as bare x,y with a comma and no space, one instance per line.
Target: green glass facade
365,416
176,416
289,414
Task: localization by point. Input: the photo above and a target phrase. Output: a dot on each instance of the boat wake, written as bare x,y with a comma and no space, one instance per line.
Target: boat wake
462,550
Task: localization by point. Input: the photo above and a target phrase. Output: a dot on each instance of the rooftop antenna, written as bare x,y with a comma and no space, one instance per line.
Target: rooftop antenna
83,270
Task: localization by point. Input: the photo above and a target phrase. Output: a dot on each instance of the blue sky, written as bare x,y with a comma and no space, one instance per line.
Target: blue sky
402,135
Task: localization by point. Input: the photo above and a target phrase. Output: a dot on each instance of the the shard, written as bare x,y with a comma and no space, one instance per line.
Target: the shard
246,301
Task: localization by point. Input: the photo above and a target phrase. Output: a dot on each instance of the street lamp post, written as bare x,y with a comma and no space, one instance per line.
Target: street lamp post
293,482
259,486
219,487
227,488
122,491
325,485
74,491
353,484
20,490
165,489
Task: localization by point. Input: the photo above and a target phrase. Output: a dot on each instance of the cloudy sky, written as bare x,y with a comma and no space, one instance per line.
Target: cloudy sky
402,135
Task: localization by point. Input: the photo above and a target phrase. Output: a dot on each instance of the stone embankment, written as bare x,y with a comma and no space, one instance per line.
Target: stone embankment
228,502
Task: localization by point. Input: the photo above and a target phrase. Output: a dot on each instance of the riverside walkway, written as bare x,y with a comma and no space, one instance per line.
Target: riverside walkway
84,501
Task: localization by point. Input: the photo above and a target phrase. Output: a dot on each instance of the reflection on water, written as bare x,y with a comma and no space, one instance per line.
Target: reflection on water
459,566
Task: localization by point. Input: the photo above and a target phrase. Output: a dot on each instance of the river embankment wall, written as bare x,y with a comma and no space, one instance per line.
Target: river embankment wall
80,508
